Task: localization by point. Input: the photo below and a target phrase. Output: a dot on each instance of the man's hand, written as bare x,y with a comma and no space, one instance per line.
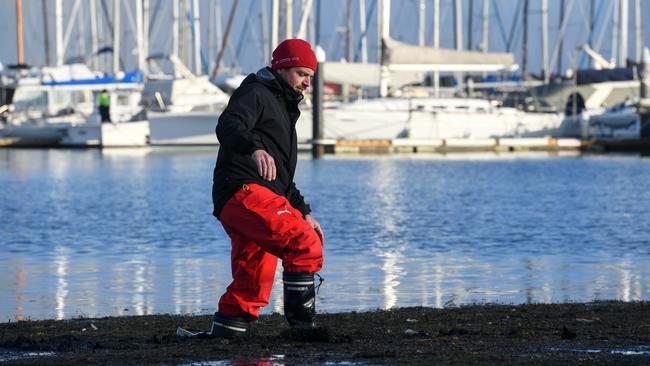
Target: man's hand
265,164
313,223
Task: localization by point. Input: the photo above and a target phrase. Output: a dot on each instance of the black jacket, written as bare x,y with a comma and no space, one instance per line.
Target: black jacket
261,114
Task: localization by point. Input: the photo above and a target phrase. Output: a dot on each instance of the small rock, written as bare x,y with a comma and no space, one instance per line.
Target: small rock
409,320
93,326
567,333
410,332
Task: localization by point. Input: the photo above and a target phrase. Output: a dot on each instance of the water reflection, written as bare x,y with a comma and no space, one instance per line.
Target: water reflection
20,290
392,274
387,213
189,283
93,233
629,288
61,265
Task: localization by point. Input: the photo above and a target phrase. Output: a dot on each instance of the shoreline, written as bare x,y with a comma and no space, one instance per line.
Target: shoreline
604,332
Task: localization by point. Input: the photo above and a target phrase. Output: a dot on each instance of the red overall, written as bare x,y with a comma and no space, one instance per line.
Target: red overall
264,227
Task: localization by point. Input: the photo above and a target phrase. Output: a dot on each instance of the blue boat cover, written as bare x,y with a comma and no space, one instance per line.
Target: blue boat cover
132,77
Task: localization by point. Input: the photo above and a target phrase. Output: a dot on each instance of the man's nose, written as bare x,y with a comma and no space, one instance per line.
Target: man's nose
307,82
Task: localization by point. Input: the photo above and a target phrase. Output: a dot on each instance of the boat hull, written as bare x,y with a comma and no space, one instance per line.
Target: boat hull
126,134
186,128
429,119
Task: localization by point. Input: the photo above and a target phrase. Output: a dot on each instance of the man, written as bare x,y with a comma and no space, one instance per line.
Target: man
105,106
256,199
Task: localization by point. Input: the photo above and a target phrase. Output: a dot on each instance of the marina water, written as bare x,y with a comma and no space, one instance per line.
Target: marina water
89,233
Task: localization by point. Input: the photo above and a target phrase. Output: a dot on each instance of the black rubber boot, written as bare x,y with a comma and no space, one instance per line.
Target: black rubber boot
228,327
299,299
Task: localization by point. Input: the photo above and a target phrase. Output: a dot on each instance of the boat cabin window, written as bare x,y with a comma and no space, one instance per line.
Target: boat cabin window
30,99
123,99
6,95
61,99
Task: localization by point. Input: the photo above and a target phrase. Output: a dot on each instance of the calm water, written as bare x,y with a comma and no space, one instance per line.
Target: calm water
125,232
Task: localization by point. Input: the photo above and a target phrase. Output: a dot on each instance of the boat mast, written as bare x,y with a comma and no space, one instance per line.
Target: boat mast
275,25
58,19
68,31
306,13
116,37
559,59
524,43
624,27
263,30
145,33
348,33
185,49
592,22
19,30
458,36
196,32
545,65
421,25
436,44
615,29
289,19
458,24
211,23
470,24
486,26
139,37
224,42
175,27
638,36
46,32
81,31
362,30
384,27
556,48
93,33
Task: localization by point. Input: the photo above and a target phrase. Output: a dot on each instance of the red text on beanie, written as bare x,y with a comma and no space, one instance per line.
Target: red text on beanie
293,53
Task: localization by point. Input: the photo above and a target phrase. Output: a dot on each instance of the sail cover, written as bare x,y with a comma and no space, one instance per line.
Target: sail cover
402,56
365,74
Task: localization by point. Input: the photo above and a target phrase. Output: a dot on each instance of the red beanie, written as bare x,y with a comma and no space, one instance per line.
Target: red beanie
293,53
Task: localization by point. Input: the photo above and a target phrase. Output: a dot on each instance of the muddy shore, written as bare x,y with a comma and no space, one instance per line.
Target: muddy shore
612,333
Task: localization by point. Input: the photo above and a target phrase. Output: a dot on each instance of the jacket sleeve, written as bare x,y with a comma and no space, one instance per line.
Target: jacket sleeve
237,120
297,200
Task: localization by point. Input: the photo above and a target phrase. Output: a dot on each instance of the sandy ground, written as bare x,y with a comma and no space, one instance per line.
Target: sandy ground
612,333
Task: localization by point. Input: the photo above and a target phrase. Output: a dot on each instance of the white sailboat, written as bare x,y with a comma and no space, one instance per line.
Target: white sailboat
57,106
393,116
427,119
182,108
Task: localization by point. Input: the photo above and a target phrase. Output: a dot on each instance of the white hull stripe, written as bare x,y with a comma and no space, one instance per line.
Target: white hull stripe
302,283
293,288
230,327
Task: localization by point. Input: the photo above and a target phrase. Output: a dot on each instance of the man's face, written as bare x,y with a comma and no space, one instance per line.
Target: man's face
299,78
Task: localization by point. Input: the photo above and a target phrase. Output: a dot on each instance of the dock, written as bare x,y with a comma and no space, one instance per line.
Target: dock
410,146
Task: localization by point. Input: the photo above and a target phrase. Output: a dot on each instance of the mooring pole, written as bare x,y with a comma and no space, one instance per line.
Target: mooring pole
644,103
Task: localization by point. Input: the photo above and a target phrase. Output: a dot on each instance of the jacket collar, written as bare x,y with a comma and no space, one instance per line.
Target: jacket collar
275,82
